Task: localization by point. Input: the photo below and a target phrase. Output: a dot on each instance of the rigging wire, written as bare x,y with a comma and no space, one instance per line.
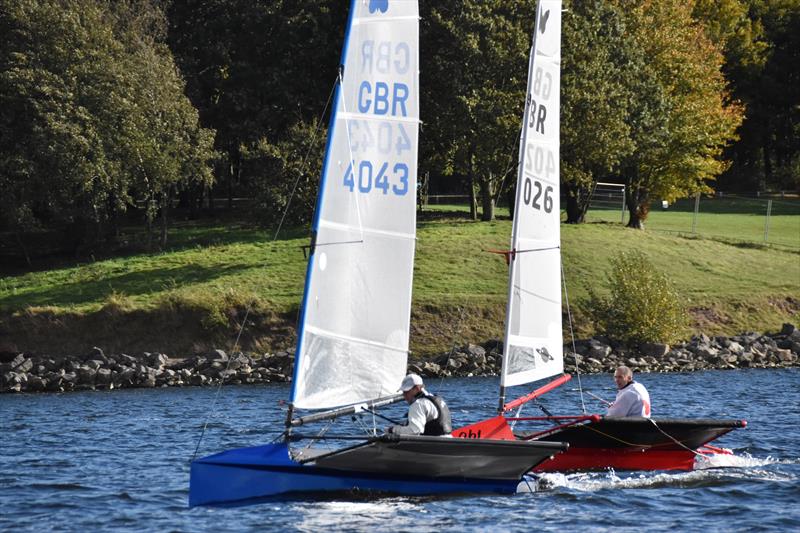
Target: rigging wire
305,159
224,374
352,161
572,336
673,439
456,336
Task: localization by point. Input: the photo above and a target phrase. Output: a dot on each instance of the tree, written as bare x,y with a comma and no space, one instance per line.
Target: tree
166,144
595,134
761,42
474,89
92,116
286,174
255,71
680,115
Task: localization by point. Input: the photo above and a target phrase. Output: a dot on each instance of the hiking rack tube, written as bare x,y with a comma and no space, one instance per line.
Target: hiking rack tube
573,420
538,392
349,410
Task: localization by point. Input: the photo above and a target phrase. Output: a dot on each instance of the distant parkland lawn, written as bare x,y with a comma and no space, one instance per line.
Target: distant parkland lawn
195,294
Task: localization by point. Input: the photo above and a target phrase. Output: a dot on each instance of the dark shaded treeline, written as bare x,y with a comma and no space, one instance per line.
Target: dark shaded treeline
114,113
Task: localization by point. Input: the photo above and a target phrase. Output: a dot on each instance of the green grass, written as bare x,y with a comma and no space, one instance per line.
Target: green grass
732,218
195,295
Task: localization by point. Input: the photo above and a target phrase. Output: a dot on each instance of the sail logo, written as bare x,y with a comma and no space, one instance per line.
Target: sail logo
378,5
543,21
545,354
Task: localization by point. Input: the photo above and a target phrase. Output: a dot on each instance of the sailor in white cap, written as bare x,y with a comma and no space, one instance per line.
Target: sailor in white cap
427,413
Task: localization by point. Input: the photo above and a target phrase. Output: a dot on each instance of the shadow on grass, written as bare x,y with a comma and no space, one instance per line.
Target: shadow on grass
132,242
131,284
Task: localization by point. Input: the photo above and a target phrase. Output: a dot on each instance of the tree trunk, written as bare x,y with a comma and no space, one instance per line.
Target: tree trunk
234,173
231,172
638,201
767,166
473,200
511,196
487,199
22,248
577,203
164,208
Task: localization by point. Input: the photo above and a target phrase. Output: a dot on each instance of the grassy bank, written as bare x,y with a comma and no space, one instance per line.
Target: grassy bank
195,295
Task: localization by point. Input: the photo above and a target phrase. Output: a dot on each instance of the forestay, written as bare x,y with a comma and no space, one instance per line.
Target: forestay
533,345
353,339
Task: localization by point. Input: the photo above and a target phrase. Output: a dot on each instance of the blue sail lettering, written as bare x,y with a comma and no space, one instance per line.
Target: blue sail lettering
384,56
399,99
401,64
380,100
382,61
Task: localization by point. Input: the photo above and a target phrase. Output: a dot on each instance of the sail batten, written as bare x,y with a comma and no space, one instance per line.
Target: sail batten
355,319
533,347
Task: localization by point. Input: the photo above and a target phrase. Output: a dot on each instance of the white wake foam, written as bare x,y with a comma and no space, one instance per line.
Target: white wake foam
708,470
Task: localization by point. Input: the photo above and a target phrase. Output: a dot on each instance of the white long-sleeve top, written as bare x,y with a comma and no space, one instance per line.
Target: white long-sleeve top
632,400
420,413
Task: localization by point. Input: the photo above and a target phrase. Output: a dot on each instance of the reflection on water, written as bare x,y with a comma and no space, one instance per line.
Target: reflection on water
355,515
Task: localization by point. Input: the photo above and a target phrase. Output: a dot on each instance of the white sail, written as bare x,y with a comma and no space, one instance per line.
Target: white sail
533,345
353,339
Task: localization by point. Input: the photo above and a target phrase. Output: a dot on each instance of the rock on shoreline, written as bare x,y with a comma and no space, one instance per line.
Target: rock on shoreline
97,371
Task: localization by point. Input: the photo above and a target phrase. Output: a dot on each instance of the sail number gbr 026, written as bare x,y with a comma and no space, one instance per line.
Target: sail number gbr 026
539,161
380,178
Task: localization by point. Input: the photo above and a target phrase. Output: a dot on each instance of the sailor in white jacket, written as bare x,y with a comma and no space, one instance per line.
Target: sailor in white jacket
427,414
632,398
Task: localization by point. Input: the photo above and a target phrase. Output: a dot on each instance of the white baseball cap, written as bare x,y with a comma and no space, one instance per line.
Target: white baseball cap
409,382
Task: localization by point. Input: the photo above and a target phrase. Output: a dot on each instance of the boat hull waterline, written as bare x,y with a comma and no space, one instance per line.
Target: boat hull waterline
598,443
408,465
636,443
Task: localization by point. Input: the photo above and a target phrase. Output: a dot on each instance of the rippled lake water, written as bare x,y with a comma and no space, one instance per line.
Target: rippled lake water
120,461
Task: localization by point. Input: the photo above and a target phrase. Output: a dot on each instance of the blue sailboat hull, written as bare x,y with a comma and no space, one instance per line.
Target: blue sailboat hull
451,466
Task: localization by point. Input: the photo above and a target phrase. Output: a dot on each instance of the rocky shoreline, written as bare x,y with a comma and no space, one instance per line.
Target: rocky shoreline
98,371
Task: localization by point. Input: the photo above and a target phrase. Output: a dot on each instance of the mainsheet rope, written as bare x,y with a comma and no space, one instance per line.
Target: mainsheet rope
572,336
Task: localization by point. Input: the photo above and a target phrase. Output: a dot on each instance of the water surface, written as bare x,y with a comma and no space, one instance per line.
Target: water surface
120,461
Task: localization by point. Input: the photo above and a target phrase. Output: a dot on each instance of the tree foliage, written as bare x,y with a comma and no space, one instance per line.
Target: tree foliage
473,92
681,114
595,133
641,304
92,116
761,42
255,71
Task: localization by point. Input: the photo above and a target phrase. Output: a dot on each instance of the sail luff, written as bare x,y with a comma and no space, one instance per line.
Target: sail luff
532,346
318,204
512,264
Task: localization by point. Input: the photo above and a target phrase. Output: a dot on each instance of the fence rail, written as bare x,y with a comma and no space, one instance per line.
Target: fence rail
746,219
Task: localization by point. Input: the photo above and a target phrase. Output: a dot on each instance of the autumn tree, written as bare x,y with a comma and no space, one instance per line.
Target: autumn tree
680,114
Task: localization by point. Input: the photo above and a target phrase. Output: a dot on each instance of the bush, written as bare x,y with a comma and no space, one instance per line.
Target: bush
642,305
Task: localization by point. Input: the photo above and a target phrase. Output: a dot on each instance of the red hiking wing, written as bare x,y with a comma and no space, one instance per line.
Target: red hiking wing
494,428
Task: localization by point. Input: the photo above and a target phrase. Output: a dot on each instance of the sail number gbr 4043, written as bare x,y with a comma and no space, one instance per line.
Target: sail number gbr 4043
385,140
381,178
